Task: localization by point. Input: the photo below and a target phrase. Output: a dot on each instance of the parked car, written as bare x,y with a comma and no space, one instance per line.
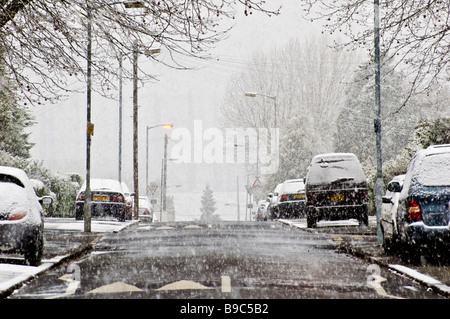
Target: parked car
272,209
389,207
262,213
21,215
291,199
423,219
145,207
107,197
336,188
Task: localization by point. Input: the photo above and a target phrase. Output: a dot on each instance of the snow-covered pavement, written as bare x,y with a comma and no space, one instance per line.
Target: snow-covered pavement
97,226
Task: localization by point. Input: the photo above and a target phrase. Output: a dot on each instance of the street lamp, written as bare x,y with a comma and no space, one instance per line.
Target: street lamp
135,125
274,98
167,126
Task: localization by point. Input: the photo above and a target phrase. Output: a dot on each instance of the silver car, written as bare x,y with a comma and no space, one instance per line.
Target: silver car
389,209
21,216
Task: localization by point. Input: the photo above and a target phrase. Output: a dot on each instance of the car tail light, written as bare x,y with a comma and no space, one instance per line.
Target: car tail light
80,196
414,211
283,197
118,198
17,215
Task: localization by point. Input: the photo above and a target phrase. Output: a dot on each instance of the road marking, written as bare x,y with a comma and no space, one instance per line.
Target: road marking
375,283
226,284
115,288
192,227
71,289
183,285
165,227
337,238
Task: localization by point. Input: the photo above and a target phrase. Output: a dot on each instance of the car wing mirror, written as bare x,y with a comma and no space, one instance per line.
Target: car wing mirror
46,200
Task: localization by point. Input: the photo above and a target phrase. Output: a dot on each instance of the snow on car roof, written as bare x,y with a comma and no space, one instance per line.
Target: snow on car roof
333,157
103,184
434,169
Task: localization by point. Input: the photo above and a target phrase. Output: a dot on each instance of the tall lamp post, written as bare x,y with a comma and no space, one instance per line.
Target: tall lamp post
90,126
135,125
146,157
379,186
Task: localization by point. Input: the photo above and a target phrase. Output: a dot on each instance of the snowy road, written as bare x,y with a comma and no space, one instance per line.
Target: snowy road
237,260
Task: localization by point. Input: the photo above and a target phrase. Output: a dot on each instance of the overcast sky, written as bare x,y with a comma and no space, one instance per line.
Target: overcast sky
179,97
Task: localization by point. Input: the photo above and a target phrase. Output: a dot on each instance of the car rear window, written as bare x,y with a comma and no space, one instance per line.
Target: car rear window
336,170
434,170
293,187
5,178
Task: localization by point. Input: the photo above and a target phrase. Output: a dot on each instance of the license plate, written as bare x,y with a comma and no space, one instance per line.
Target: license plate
101,198
299,196
337,197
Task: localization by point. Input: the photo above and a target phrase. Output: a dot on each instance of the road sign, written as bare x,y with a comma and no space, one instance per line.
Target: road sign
152,188
257,183
90,129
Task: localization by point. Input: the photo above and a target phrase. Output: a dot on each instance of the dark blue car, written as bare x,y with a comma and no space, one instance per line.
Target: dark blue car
423,218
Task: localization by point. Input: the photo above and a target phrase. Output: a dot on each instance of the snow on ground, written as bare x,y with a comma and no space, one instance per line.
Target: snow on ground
12,274
97,226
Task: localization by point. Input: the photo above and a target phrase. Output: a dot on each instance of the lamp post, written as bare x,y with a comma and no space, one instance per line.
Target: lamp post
274,98
135,126
146,157
379,185
90,126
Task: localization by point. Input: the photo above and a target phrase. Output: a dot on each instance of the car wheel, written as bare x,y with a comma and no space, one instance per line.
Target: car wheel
410,255
311,219
385,242
364,219
78,214
34,250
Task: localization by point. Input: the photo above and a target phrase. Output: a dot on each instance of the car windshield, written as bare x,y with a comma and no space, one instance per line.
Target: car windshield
434,170
336,171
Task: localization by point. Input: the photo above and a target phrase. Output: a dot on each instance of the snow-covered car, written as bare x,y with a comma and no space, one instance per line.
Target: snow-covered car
107,199
262,213
21,215
291,199
145,208
336,188
423,219
273,202
389,207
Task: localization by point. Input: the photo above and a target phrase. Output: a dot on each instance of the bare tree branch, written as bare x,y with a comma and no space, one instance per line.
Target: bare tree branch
44,42
414,34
